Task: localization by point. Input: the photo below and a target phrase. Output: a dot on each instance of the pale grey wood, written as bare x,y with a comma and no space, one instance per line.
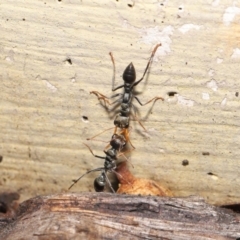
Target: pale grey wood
43,97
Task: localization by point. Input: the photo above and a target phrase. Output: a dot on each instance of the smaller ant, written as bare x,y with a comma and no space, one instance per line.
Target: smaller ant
117,143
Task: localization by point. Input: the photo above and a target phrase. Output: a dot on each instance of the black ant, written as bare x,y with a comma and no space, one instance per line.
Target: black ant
117,143
129,76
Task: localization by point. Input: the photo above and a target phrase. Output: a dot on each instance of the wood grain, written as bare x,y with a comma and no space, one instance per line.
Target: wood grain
108,216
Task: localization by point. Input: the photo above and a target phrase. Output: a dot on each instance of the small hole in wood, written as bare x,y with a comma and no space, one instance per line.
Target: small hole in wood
171,94
68,60
205,153
85,119
185,162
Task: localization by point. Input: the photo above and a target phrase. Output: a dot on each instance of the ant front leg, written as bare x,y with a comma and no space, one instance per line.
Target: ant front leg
148,64
152,100
101,96
114,74
93,153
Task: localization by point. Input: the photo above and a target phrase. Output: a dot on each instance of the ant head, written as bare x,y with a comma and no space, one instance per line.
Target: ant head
99,183
117,142
129,74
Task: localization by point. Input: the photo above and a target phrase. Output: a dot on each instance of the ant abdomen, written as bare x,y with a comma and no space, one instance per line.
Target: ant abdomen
129,74
99,183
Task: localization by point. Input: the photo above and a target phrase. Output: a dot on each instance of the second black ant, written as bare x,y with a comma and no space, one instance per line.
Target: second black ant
117,143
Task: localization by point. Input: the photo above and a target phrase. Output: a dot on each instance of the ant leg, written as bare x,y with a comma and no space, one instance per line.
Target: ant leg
136,118
105,98
100,134
126,135
93,153
148,64
153,99
93,170
101,96
114,70
108,181
114,74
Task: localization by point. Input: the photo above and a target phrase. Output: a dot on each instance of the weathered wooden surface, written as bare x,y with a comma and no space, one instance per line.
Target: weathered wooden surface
53,53
112,216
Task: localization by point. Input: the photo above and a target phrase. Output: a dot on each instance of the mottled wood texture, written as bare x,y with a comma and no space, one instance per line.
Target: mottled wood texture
110,216
53,53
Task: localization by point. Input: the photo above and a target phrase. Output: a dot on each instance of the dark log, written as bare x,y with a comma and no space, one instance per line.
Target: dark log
114,216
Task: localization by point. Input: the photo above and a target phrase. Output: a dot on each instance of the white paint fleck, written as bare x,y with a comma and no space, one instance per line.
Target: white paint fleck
214,177
213,85
230,14
215,3
205,96
161,150
184,101
152,36
236,53
187,27
8,59
50,86
219,60
211,72
224,101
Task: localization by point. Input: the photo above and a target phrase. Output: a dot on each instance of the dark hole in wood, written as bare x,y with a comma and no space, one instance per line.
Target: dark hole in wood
233,207
3,207
205,153
171,94
69,61
185,162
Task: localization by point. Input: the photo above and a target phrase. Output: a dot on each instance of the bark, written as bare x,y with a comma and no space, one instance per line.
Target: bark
113,216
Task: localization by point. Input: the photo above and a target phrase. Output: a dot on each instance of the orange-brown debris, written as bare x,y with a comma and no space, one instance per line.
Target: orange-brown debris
132,185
